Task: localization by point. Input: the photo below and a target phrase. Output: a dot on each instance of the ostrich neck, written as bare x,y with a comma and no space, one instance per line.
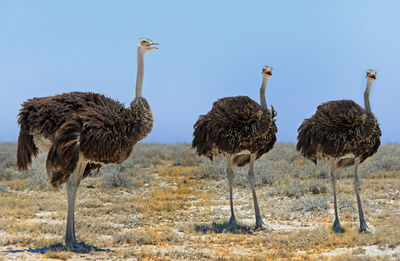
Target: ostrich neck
367,106
263,101
140,72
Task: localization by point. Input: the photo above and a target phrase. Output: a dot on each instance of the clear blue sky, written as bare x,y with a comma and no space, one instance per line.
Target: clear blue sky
319,50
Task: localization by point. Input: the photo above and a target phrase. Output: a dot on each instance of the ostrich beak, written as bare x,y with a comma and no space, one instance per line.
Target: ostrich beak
152,47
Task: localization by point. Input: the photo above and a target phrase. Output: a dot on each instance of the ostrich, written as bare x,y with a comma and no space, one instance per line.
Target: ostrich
346,134
240,129
82,131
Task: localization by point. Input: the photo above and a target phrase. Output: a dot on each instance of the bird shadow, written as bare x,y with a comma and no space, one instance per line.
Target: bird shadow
223,228
57,248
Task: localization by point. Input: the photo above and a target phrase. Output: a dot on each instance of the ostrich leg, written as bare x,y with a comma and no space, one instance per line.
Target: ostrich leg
232,220
336,223
363,225
251,178
72,188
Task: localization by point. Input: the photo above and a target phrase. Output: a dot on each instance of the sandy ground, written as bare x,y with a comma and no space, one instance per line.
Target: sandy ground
170,215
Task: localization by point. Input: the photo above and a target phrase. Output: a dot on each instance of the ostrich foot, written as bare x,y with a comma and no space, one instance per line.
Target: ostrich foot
232,223
80,247
336,227
365,229
263,227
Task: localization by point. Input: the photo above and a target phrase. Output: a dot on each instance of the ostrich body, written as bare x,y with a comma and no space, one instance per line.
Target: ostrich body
344,133
82,131
240,129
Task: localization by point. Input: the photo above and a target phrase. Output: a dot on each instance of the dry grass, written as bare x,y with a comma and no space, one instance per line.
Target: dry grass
169,204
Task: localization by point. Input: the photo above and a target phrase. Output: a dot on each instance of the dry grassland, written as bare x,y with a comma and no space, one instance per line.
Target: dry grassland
165,203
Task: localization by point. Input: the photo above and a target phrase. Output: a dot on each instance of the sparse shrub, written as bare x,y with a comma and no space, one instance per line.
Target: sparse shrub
4,187
384,163
294,189
267,171
283,151
5,174
241,177
114,178
323,171
344,204
317,187
8,155
387,162
36,179
183,155
267,179
148,237
10,174
306,171
215,169
146,155
310,203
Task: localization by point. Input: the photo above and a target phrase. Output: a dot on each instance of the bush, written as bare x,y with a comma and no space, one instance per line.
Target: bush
36,179
344,204
283,151
306,171
183,155
267,178
6,174
310,203
387,162
215,169
114,178
295,189
268,171
317,187
8,155
4,187
384,162
324,171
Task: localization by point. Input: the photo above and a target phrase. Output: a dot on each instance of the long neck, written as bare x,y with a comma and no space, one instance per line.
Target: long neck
263,101
140,72
366,97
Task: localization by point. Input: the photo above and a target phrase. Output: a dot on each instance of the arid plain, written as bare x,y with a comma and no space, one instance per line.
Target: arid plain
166,203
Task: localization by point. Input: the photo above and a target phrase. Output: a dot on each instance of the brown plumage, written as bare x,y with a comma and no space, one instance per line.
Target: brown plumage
234,125
337,129
82,131
102,129
344,133
240,129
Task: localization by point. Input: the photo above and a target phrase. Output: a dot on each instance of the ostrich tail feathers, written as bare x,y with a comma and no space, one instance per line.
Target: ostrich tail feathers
26,151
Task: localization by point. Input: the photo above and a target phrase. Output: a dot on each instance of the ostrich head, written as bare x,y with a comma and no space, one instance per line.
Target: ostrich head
145,45
267,72
371,75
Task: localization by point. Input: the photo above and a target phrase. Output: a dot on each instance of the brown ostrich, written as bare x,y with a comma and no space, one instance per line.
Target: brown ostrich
346,134
82,131
240,129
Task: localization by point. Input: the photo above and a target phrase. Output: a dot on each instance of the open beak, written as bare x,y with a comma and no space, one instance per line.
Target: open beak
152,47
